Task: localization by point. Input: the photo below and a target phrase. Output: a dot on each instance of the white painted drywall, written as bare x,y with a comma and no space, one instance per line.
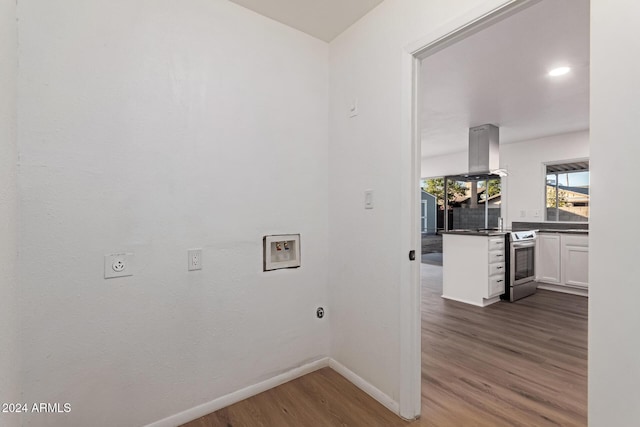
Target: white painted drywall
614,342
446,164
9,344
524,187
371,268
96,84
155,127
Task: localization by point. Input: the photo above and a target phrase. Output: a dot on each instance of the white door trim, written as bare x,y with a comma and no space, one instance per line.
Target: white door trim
475,20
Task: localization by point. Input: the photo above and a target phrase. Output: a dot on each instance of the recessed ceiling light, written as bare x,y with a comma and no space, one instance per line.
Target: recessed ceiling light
559,71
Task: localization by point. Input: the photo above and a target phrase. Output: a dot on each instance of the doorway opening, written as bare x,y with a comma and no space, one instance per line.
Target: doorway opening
475,75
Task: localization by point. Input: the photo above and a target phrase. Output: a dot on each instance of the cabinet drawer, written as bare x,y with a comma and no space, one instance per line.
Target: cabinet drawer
496,256
496,285
496,244
575,240
496,268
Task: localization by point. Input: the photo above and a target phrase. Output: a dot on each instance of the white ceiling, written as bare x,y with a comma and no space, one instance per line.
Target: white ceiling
324,19
499,76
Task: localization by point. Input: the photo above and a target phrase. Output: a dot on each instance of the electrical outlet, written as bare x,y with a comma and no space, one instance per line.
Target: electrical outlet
194,258
118,265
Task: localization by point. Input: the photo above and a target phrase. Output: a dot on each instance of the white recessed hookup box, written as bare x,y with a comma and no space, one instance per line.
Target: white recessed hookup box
281,251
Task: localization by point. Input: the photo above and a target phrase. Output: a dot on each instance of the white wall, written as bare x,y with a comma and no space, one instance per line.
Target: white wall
155,127
9,349
121,113
371,268
366,153
614,342
446,164
524,188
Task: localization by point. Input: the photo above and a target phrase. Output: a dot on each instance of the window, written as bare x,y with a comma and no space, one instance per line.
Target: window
472,202
567,192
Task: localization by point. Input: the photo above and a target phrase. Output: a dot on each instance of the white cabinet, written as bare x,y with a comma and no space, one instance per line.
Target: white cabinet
473,268
548,258
575,261
496,261
563,259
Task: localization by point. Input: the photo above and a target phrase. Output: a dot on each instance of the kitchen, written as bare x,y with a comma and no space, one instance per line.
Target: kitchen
554,253
493,110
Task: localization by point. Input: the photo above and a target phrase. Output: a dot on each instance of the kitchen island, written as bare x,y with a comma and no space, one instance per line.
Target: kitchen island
473,266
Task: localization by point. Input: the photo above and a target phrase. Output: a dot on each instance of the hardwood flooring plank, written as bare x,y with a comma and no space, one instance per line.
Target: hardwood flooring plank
509,364
522,363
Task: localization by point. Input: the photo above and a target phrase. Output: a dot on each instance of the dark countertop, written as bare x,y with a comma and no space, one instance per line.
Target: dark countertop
550,226
485,233
490,233
566,231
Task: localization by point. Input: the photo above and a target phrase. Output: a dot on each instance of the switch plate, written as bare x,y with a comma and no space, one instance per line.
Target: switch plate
368,199
118,265
194,259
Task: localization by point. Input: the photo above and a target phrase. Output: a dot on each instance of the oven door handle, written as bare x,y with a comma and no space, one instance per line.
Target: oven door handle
524,245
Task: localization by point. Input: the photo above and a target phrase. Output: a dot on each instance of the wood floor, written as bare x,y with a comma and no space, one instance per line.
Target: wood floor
322,398
509,364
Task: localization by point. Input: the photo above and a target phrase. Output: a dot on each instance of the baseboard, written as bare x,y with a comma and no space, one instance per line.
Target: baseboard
463,300
488,301
563,289
365,386
247,392
235,397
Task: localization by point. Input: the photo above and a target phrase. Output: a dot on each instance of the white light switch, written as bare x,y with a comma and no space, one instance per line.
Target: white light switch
368,199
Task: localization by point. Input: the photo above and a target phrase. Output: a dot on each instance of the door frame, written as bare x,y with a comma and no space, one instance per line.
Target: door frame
483,16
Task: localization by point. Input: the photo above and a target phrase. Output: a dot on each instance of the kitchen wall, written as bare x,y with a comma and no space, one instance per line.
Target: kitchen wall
154,127
446,164
614,343
9,349
524,188
370,272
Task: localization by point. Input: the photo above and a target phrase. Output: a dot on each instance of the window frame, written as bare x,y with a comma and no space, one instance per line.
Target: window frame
545,173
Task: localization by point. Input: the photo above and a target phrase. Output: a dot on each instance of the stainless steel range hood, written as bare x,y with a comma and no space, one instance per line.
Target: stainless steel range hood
484,146
484,165
484,153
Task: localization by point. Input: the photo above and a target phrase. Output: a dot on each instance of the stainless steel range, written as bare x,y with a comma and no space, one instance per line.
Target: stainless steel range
520,265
